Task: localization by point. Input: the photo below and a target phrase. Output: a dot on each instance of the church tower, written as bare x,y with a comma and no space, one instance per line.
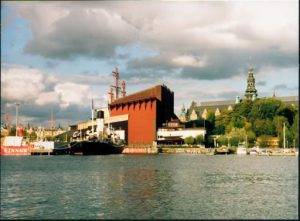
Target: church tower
182,116
251,92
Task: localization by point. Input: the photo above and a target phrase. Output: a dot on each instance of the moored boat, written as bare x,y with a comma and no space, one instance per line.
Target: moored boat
253,151
241,150
15,146
263,153
96,141
96,147
222,150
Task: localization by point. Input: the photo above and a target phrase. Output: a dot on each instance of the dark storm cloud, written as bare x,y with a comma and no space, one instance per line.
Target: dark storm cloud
158,62
40,115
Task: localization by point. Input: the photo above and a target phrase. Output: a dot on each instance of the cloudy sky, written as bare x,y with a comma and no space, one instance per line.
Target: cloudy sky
58,55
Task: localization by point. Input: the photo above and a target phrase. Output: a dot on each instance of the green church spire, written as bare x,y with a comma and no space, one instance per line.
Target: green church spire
251,92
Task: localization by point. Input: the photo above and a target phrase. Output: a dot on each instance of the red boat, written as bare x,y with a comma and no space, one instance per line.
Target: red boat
14,146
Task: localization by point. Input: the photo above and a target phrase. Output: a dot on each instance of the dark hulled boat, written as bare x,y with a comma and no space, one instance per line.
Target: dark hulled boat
95,147
98,140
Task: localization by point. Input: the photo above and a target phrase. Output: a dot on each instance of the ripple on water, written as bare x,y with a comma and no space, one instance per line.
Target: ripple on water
149,187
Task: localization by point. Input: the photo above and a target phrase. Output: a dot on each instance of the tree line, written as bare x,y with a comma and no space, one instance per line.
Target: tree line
250,121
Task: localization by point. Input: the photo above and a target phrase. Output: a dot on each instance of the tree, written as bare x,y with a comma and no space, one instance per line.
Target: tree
223,140
234,141
222,121
264,141
199,139
288,111
243,108
251,138
264,109
264,127
12,131
189,140
238,121
295,129
32,136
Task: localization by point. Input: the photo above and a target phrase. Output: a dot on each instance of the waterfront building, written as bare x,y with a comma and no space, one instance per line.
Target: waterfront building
196,111
44,134
202,109
142,113
193,115
174,133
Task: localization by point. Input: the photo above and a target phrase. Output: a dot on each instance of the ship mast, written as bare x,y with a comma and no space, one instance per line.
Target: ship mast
17,113
92,115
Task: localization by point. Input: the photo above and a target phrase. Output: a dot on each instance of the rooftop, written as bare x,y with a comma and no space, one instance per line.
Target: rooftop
150,93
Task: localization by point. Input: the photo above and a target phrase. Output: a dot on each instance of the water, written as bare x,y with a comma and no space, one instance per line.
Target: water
164,186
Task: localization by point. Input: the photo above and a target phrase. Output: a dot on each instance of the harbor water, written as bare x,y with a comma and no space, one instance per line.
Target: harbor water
163,186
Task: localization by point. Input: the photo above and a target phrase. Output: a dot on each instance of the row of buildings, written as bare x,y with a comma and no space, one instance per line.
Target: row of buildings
196,111
143,118
146,117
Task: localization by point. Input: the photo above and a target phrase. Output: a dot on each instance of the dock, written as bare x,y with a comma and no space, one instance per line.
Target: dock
41,152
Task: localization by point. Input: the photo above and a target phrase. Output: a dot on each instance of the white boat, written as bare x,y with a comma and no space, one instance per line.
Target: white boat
263,153
253,151
15,146
241,150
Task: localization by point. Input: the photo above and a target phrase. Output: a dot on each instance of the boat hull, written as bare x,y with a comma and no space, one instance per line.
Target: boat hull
94,148
15,151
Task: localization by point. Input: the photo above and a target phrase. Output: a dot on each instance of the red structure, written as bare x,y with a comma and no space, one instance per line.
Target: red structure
147,110
111,94
123,89
20,130
116,86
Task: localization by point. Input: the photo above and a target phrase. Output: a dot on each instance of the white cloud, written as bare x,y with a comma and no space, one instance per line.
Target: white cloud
21,83
96,29
71,93
187,60
29,85
48,98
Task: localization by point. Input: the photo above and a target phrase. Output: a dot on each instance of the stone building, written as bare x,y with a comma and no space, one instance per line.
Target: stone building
196,111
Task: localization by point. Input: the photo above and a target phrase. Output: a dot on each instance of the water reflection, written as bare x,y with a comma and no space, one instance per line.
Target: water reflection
146,187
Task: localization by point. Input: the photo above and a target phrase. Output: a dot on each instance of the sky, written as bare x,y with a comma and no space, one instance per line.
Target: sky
58,55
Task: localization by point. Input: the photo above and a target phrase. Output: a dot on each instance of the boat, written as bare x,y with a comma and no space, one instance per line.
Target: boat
95,147
96,141
49,148
253,151
15,146
284,152
222,150
263,153
241,150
